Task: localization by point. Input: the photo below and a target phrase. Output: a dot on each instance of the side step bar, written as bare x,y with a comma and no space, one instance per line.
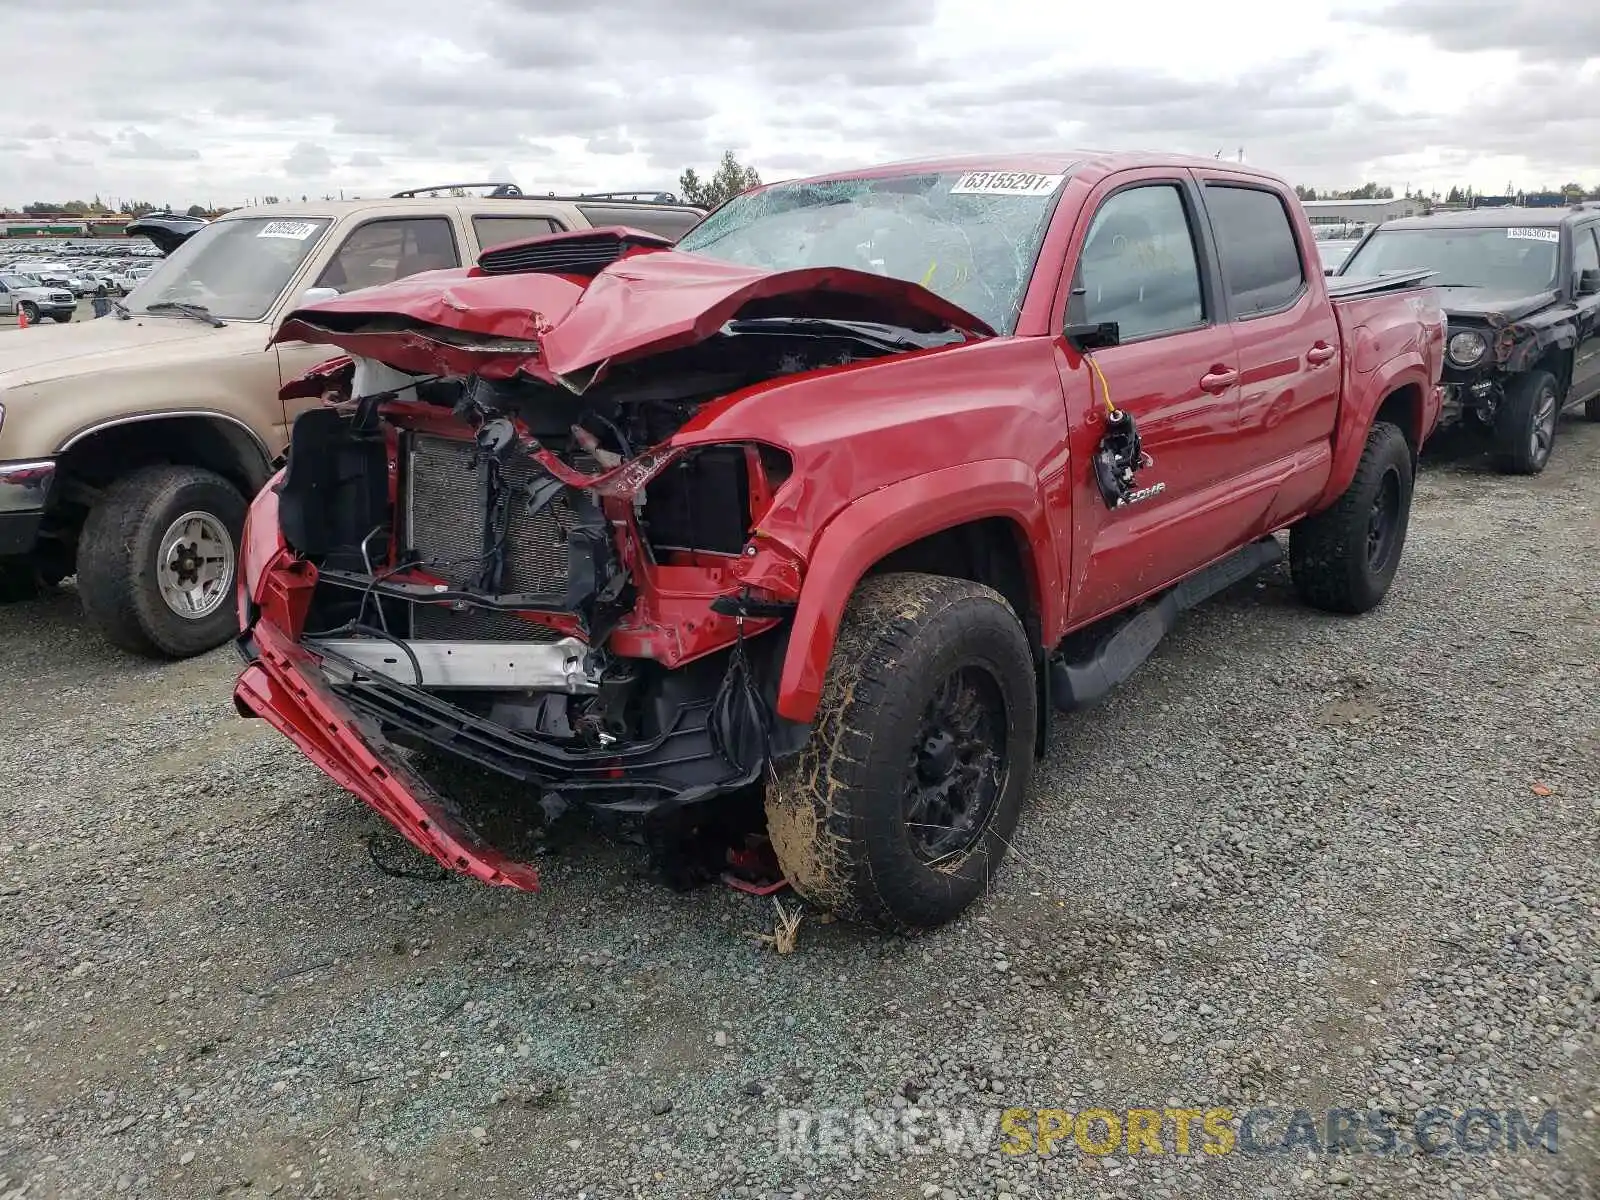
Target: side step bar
1082,682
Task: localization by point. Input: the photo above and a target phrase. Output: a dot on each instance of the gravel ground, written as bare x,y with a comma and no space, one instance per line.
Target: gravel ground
1299,861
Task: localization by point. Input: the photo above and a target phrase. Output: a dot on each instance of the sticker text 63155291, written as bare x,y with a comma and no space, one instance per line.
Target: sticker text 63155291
298,230
1005,183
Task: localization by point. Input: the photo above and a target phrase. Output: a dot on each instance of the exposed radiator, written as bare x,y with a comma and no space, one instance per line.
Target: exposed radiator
445,507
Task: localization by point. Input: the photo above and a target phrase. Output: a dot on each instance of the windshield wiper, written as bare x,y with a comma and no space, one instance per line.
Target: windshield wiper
871,333
198,312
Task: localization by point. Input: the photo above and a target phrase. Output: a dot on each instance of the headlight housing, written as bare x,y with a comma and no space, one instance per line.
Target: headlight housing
1467,348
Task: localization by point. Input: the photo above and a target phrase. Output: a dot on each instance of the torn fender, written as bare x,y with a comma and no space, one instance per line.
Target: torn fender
896,516
560,327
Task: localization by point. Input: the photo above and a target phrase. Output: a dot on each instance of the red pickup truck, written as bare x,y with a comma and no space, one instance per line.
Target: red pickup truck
823,508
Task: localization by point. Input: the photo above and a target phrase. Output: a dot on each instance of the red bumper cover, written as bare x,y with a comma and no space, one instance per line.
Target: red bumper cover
284,687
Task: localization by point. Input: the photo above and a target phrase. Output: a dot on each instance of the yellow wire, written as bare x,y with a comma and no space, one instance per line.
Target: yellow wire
1105,388
932,267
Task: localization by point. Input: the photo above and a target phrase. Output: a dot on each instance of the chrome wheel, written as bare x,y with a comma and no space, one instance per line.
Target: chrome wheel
194,565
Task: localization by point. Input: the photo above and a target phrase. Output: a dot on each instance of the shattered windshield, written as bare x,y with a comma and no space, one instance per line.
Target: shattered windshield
1515,261
972,238
236,269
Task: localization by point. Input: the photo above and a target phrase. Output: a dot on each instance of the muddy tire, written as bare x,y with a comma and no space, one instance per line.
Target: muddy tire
161,539
1525,425
1344,558
903,802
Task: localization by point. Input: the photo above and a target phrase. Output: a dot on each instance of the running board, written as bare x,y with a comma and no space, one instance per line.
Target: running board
1083,682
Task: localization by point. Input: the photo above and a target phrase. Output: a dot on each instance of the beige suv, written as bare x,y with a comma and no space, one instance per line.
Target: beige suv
130,444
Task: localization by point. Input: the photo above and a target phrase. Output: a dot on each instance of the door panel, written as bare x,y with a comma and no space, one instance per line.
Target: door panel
1186,431
1285,332
1143,264
1586,362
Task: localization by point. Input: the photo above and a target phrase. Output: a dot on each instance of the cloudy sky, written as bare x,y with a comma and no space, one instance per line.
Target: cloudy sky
180,101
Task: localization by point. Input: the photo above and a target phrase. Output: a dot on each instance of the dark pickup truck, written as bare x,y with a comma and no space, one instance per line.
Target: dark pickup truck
1521,290
823,509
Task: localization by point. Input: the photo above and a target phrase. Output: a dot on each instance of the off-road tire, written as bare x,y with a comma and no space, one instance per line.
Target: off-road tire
1329,557
30,310
835,811
1515,451
117,560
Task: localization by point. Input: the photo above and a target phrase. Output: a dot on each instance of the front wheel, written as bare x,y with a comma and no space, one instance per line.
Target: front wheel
29,311
1525,425
1344,558
903,802
157,561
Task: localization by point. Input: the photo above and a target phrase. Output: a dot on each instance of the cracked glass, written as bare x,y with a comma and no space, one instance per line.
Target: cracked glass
976,250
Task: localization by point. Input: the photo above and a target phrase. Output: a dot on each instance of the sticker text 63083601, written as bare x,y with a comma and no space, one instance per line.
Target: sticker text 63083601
1005,183
1535,235
298,230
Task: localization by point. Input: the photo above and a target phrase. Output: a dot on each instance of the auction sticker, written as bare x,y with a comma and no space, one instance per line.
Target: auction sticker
1535,235
1005,183
298,230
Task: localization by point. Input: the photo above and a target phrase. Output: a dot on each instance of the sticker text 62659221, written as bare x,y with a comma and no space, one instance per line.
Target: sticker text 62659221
298,230
1005,183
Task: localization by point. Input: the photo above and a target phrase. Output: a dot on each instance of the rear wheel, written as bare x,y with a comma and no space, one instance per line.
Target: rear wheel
1344,558
903,802
62,318
1525,426
157,561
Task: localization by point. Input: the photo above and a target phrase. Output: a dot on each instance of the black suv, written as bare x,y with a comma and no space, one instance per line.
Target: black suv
1521,288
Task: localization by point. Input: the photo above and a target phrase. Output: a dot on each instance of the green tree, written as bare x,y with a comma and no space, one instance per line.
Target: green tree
1304,192
196,211
730,179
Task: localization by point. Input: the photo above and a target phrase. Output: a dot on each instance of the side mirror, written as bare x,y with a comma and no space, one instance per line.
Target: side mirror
1588,283
317,294
1096,336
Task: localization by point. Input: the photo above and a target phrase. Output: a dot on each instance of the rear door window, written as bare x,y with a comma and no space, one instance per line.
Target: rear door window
499,229
391,248
1261,264
665,222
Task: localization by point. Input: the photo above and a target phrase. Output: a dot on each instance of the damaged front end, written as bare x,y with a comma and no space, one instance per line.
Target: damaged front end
548,574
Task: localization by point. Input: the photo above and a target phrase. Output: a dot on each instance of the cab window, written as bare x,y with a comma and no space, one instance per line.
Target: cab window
384,250
1139,267
498,230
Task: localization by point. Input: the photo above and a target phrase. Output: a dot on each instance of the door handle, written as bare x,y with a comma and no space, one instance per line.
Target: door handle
1320,353
1216,381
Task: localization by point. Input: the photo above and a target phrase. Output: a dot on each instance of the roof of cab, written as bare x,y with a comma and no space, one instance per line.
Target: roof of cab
1041,162
1495,218
333,209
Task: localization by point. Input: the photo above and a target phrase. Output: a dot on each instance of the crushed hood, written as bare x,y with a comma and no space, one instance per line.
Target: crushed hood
52,352
1495,307
568,328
